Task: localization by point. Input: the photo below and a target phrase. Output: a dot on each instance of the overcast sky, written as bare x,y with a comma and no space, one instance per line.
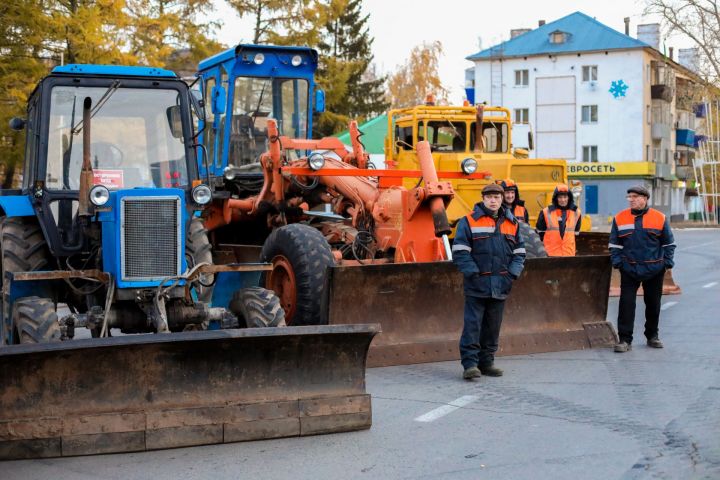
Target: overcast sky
399,25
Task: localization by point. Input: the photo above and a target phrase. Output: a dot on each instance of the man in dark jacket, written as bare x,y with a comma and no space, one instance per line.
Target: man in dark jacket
490,253
559,223
642,247
512,201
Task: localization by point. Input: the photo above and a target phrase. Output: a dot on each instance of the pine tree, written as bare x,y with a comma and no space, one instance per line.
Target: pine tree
354,91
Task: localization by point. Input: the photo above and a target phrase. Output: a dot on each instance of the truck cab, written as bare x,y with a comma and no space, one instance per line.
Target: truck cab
244,87
453,135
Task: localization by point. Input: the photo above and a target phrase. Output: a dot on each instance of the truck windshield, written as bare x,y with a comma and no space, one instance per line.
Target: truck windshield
255,101
133,142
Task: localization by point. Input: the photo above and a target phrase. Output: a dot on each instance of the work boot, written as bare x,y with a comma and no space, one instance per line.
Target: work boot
655,342
623,347
491,371
472,372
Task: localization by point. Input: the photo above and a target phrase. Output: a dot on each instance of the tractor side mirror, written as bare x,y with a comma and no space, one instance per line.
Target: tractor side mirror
531,142
198,104
175,121
218,100
17,124
319,101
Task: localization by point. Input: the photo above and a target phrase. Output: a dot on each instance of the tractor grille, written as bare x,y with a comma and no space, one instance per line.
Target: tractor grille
150,243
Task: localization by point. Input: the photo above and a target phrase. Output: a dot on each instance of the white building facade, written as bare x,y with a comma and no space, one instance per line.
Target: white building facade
603,101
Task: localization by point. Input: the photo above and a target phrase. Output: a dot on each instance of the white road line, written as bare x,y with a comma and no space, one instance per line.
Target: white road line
710,285
439,412
667,305
697,246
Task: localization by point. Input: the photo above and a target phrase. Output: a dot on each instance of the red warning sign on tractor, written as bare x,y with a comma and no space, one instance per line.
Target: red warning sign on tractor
112,179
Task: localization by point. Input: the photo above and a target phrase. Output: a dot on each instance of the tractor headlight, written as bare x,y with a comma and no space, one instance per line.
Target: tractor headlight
296,60
201,194
576,191
259,59
99,195
469,166
230,173
316,161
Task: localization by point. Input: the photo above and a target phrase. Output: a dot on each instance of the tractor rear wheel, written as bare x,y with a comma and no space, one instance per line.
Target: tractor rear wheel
199,250
22,249
35,320
300,256
534,247
257,307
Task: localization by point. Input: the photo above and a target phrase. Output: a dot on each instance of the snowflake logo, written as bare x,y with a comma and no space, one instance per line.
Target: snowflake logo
618,88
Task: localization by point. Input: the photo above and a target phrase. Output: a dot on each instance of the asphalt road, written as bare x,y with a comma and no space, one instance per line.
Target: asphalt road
588,414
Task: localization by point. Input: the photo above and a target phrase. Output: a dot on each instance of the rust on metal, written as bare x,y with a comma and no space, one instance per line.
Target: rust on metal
235,267
144,392
60,274
555,305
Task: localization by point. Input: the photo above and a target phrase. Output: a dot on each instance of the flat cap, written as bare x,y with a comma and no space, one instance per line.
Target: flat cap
492,188
640,190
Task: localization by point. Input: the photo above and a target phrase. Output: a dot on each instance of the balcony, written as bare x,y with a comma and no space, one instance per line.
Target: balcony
685,137
659,130
661,92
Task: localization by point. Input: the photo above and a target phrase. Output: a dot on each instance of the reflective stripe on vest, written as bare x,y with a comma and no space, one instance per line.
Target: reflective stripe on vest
651,220
555,245
486,226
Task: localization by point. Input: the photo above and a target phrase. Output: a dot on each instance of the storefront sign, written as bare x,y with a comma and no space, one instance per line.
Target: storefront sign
611,169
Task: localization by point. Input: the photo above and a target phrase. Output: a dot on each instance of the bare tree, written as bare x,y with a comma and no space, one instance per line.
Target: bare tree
700,21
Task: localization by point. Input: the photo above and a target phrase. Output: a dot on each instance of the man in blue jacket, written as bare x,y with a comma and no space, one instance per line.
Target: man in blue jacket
490,253
642,247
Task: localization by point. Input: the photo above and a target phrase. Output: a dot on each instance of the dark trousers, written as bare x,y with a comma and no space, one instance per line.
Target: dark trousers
481,331
652,293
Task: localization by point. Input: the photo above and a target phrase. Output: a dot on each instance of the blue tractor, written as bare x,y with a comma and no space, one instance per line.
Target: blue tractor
105,230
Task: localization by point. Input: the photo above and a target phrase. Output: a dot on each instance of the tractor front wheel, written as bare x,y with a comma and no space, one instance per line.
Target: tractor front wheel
257,307
300,256
35,320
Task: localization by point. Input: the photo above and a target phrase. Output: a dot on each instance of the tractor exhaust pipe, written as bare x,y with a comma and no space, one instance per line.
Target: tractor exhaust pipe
86,174
478,147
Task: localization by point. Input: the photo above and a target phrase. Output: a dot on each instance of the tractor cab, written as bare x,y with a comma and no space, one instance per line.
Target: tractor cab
245,87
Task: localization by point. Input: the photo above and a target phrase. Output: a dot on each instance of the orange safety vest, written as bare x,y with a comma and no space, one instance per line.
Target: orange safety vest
652,220
485,226
555,245
519,212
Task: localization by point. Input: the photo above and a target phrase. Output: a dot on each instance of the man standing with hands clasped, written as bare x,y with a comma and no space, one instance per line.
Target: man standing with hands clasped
642,247
490,253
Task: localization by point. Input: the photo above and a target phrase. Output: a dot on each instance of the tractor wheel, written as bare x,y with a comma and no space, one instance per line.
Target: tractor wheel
199,250
300,256
257,307
35,320
534,247
22,249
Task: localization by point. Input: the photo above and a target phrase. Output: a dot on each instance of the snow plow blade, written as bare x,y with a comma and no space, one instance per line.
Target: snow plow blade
556,305
596,243
147,392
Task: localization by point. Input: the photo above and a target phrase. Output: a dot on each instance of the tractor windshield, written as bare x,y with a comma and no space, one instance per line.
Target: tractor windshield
136,138
255,100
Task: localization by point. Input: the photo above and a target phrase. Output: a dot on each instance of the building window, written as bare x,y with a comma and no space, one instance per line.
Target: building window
559,37
522,78
590,153
647,153
589,73
589,114
522,115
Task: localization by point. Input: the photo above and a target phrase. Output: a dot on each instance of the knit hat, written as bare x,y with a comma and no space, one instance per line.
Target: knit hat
492,188
640,190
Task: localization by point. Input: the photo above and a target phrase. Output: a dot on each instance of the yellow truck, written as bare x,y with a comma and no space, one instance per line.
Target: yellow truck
469,138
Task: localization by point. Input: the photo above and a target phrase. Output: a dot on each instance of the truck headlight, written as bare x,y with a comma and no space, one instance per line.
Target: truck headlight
201,194
576,191
316,161
259,59
296,60
469,166
99,195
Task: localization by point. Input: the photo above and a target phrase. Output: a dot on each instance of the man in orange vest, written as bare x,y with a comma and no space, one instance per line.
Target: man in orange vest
511,200
642,247
559,223
490,253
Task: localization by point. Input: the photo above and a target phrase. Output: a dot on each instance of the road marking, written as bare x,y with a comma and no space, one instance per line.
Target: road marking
439,412
697,246
667,305
710,285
